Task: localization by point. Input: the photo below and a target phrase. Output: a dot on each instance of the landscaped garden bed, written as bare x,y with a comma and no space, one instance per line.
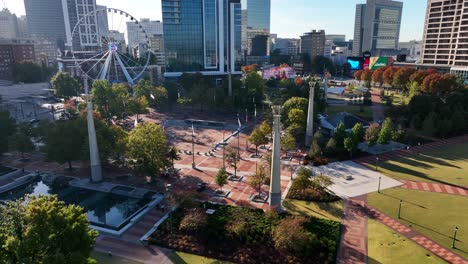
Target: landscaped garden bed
245,235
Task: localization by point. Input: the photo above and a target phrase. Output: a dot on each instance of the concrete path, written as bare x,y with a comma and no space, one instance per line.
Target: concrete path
434,187
418,238
353,243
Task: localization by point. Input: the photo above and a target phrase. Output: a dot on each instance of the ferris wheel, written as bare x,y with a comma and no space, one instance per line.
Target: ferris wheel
110,44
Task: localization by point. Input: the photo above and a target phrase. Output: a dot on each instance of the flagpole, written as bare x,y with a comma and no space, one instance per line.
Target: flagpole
224,149
238,136
246,138
193,148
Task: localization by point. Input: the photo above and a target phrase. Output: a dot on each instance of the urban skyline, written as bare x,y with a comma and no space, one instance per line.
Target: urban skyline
313,16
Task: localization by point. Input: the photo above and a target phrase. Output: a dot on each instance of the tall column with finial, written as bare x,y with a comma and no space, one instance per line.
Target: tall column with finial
95,162
310,115
275,181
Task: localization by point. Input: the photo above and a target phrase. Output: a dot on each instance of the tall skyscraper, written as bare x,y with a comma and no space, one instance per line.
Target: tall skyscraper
23,31
259,14
56,19
46,20
258,24
313,43
102,21
135,35
202,36
377,26
8,24
445,41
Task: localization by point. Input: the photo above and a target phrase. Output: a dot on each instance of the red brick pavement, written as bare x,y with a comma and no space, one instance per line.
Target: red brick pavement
353,244
421,240
434,187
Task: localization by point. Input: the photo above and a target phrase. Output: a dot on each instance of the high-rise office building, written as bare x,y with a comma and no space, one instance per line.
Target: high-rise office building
202,36
377,27
8,24
244,15
258,23
335,37
102,20
46,20
313,43
13,51
56,19
23,31
135,34
286,46
445,40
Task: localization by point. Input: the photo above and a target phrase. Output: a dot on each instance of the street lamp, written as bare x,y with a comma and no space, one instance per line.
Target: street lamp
399,209
454,236
377,163
168,189
380,178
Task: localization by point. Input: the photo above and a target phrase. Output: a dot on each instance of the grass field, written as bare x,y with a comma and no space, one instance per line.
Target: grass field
184,258
102,258
366,113
330,211
432,214
446,165
386,246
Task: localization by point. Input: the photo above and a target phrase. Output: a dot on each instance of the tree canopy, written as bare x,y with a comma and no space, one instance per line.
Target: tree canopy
65,86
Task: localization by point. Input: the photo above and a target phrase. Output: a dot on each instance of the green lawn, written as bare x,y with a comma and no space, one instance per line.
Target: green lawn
331,211
446,165
366,113
386,246
433,214
184,258
102,258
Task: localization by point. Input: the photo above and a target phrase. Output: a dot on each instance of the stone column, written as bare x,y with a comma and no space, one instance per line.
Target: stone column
310,115
95,162
275,181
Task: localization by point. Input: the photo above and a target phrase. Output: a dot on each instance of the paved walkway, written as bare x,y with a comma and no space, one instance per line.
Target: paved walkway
434,187
353,243
421,240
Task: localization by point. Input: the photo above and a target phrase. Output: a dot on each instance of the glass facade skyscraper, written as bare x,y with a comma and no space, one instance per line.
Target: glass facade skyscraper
196,35
258,17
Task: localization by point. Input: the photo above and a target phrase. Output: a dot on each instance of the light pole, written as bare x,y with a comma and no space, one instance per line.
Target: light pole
168,189
380,178
224,149
193,148
310,115
399,209
455,230
376,163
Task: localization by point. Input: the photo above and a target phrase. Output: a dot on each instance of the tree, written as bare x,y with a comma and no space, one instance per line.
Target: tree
161,96
288,143
7,128
257,180
350,145
194,220
339,135
402,77
102,92
30,72
358,132
331,146
173,155
221,178
418,76
302,181
142,88
265,129
388,75
385,134
22,143
372,134
429,124
147,146
45,230
297,116
64,141
255,86
357,75
366,77
294,103
232,157
322,64
377,76
138,106
290,237
119,100
258,138
322,182
414,89
65,86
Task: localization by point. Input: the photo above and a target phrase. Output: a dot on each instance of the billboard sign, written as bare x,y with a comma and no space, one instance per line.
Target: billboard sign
355,63
279,73
379,62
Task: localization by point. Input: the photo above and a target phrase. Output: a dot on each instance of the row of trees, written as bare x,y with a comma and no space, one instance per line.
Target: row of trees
410,80
30,72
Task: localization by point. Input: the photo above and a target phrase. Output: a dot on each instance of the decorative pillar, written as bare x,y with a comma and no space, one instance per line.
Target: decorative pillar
275,181
310,115
95,162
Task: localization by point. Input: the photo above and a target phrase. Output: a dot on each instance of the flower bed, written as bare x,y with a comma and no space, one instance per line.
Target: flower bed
312,194
244,235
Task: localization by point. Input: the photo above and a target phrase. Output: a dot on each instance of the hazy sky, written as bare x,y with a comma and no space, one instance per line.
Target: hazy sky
290,18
